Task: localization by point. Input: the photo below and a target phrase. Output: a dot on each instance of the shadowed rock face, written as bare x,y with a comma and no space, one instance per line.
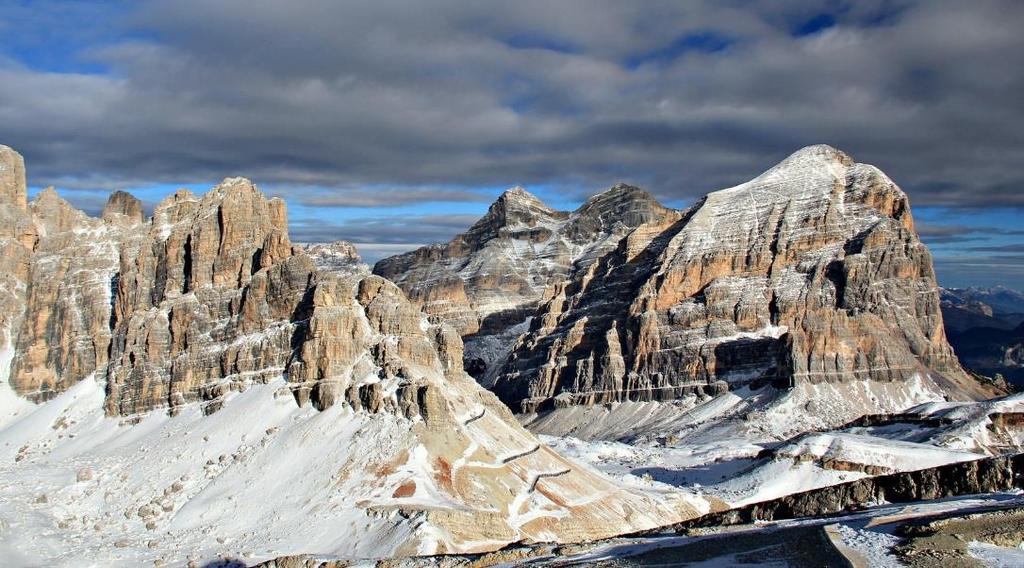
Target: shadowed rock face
811,273
491,278
986,475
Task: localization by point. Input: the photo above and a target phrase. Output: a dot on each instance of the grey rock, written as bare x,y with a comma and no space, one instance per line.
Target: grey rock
491,278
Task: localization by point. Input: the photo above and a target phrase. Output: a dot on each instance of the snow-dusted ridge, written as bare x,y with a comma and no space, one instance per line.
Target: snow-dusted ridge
206,389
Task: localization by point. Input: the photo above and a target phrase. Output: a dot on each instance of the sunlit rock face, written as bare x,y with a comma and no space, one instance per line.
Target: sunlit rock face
487,281
17,239
810,274
207,312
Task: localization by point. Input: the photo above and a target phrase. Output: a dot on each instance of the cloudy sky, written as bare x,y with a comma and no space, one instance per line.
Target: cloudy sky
393,124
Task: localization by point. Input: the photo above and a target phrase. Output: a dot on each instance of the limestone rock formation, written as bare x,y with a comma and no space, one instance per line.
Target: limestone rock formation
123,208
204,303
487,281
17,239
65,334
810,276
339,257
13,189
207,303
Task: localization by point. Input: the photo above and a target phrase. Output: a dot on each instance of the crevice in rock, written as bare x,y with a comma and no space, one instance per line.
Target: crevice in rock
186,270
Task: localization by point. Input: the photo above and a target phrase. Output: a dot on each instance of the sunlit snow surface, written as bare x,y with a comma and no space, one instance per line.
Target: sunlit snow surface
262,478
256,477
997,556
723,457
867,536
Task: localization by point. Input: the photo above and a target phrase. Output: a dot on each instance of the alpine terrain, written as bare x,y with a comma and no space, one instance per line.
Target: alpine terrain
191,387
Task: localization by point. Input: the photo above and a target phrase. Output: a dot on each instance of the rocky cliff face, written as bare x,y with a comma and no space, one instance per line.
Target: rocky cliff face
488,280
1002,473
204,302
65,334
208,302
340,257
17,239
808,278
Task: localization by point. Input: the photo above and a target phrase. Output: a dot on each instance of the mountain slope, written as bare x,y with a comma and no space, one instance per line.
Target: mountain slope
489,279
808,281
988,339
320,400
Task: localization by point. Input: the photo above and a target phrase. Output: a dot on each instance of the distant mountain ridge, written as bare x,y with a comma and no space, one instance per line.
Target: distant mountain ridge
986,328
1000,298
491,278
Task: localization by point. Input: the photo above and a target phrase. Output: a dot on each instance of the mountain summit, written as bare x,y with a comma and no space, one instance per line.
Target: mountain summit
487,281
807,280
194,375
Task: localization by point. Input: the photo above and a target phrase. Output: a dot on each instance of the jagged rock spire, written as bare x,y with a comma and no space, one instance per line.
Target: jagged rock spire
13,188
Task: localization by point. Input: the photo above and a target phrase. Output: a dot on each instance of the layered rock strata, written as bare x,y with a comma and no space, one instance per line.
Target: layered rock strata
209,297
17,239
491,278
811,274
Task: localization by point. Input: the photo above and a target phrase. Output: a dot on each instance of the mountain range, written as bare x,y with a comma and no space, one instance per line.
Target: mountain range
986,328
193,386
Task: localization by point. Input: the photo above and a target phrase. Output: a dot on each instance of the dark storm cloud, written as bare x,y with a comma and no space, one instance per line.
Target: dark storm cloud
356,197
943,234
1011,248
418,229
680,97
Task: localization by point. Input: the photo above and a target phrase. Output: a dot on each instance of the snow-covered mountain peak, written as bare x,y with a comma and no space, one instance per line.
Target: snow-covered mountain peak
817,153
518,206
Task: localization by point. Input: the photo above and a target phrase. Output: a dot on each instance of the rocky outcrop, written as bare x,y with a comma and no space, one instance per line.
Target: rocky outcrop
490,279
811,274
65,334
13,190
204,303
948,540
339,257
209,298
123,208
987,475
17,239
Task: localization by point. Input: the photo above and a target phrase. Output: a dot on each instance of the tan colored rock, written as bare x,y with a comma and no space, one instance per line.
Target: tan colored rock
205,304
338,257
17,239
65,335
13,188
123,208
811,273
